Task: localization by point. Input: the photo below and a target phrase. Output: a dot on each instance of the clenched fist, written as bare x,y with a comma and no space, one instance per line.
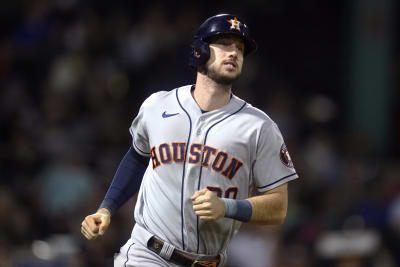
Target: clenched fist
96,224
207,205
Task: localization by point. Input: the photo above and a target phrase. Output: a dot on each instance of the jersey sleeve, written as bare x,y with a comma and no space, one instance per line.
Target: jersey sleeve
273,165
138,130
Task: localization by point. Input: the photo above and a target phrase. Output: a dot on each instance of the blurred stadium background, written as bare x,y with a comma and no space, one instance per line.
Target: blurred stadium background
73,74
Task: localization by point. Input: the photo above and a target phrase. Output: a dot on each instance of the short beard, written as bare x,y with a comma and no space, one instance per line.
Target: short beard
220,79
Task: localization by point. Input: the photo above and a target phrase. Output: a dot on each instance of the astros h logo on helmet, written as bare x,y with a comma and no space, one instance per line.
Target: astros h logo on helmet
235,24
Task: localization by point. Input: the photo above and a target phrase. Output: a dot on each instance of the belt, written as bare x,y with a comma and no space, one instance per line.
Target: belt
180,257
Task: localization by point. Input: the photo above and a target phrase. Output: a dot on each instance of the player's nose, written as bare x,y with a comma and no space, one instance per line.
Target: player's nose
235,50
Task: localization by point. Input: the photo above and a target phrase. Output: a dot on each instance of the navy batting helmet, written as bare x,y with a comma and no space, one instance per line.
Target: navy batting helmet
222,24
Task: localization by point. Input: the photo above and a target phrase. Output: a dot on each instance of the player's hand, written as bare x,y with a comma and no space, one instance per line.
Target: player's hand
207,205
96,224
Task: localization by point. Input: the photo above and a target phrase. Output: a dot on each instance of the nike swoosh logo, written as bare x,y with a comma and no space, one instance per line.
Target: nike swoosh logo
165,115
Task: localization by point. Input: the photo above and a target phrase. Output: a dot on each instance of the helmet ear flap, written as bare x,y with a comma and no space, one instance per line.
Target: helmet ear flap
200,53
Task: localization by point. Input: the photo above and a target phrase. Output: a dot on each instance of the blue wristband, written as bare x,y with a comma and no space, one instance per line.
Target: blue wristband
240,210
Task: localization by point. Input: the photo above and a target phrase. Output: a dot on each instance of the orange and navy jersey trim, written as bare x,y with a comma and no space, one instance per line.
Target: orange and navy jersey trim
165,153
211,157
154,158
219,164
178,149
207,151
195,153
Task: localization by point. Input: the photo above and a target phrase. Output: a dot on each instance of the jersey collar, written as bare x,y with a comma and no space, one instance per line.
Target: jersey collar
186,98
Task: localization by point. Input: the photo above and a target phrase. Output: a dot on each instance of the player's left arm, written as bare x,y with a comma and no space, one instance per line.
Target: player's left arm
267,209
270,207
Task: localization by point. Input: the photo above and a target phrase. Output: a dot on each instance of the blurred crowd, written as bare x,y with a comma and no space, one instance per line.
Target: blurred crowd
73,75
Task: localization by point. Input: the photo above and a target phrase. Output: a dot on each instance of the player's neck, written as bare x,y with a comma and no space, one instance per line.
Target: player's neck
210,95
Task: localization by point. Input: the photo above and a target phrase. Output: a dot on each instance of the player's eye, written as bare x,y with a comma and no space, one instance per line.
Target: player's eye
229,42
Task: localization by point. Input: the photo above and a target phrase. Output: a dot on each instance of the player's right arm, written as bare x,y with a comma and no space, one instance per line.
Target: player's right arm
125,184
129,175
96,224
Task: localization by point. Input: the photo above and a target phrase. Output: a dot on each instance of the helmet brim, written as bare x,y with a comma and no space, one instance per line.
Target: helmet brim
250,45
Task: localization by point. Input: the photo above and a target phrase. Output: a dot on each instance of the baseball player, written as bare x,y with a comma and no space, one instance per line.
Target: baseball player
198,154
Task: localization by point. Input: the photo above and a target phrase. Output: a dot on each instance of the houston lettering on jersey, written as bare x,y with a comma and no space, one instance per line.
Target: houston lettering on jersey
219,161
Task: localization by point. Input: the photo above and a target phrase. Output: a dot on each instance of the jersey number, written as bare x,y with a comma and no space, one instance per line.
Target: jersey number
231,192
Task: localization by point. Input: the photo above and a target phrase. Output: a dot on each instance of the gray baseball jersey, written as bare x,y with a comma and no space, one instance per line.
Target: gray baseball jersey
231,151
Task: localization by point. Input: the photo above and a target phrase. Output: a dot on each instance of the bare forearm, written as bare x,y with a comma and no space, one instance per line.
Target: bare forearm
269,209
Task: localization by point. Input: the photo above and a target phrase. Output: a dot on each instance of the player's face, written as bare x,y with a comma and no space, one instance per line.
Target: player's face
226,59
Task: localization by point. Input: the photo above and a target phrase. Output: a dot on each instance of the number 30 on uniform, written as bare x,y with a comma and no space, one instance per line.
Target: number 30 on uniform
231,192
